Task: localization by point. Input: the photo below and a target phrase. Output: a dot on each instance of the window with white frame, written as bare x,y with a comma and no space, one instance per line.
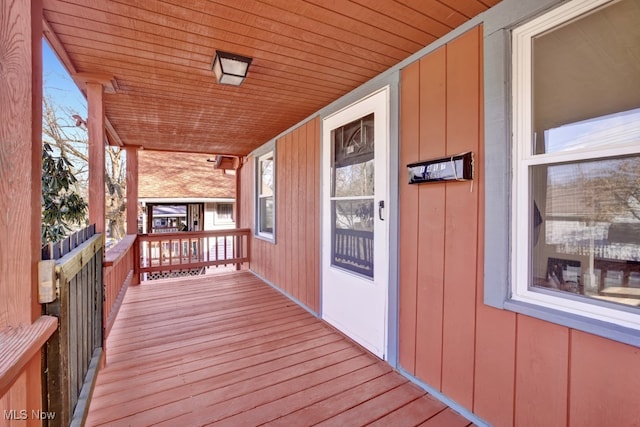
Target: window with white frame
265,194
576,159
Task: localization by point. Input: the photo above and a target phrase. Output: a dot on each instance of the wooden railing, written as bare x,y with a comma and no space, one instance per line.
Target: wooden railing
353,250
190,253
75,349
18,347
119,273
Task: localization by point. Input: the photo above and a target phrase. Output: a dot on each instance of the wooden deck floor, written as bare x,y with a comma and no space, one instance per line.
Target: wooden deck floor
229,350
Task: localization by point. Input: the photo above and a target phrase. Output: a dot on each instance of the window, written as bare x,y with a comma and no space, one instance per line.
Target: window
265,195
224,213
576,188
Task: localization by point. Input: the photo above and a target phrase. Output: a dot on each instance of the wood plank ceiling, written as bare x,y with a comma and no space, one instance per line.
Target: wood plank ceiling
306,54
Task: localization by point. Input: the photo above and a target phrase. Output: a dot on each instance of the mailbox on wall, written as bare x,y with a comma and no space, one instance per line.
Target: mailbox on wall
453,168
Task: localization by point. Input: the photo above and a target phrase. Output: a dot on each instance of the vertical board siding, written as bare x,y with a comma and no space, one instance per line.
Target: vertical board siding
285,207
433,133
292,261
295,206
495,364
439,222
542,360
461,223
604,382
408,216
509,369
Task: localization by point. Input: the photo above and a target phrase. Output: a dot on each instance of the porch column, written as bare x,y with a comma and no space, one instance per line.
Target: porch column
132,190
95,126
20,184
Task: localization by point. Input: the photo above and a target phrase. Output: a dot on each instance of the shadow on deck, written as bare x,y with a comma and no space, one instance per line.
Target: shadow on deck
230,350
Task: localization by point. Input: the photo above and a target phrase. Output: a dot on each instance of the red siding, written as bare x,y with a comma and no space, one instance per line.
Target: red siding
461,223
509,369
604,382
431,201
292,262
542,361
408,260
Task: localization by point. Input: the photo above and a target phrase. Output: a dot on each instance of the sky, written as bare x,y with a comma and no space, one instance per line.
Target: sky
59,85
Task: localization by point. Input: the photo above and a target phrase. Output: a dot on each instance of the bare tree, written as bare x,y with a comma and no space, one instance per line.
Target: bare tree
65,131
115,181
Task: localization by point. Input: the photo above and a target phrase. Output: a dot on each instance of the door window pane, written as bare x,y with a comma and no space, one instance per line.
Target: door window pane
352,194
353,164
352,247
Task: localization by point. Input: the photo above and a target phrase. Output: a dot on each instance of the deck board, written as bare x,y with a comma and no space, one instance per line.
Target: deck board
229,350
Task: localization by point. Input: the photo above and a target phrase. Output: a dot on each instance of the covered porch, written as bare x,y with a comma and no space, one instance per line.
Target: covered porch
228,349
248,347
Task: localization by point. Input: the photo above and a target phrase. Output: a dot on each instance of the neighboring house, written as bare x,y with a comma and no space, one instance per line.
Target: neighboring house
184,189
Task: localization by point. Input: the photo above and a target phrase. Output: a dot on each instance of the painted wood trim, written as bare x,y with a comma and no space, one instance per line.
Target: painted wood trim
115,254
431,204
20,345
132,189
20,185
494,385
95,125
408,256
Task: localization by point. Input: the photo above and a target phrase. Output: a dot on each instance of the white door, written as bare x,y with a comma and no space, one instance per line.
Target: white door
355,233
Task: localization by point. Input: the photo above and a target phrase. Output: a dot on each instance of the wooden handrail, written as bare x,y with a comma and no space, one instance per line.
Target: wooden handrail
187,252
19,345
70,264
121,248
155,237
119,272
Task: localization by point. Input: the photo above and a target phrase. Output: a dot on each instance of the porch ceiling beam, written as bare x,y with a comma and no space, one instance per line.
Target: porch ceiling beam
80,78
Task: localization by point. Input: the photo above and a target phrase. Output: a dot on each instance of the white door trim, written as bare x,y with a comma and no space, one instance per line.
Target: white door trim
365,320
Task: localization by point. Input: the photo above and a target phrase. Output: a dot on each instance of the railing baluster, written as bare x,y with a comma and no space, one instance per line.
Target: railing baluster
196,251
224,242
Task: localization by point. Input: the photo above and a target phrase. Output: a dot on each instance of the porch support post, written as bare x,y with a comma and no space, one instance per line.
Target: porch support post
95,125
132,190
20,183
132,208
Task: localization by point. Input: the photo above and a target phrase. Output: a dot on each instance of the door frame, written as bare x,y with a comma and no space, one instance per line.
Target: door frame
394,171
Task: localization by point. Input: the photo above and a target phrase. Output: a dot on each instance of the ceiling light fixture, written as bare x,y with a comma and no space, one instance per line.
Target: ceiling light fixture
230,69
